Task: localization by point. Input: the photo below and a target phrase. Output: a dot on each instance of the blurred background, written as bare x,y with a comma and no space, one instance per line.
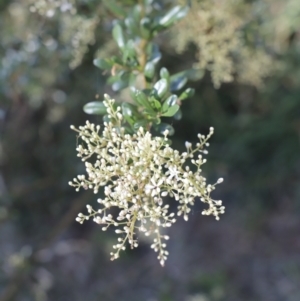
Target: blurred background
249,52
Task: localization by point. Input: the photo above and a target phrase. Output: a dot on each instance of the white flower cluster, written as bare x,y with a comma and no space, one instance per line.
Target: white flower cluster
48,7
217,27
80,31
77,31
138,172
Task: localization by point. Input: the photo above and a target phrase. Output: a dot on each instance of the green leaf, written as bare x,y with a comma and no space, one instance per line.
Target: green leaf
113,79
136,13
155,103
177,81
118,36
129,51
128,109
116,60
173,15
164,73
149,71
95,108
103,64
155,54
171,111
161,87
119,81
194,74
119,85
157,120
131,25
106,118
189,92
115,8
132,79
141,123
145,26
178,115
148,2
141,99
164,126
129,112
169,102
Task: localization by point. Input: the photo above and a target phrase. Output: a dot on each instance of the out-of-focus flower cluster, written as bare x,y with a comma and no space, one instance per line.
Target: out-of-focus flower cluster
80,31
48,7
77,31
138,173
280,22
217,29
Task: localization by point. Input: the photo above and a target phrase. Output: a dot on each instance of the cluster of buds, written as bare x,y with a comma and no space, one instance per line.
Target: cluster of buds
140,173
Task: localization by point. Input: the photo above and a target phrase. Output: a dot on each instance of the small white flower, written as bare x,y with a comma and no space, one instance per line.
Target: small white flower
153,188
188,144
173,173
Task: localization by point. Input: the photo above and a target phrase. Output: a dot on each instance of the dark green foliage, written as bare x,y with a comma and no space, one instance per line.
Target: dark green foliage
138,57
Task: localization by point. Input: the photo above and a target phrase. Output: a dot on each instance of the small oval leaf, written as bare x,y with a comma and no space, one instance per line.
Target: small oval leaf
171,111
149,71
131,25
177,81
178,115
164,73
145,27
140,124
118,36
115,8
173,15
129,112
189,92
155,54
102,64
120,81
129,51
95,108
142,100
106,118
119,85
165,126
161,87
155,103
129,109
169,102
136,13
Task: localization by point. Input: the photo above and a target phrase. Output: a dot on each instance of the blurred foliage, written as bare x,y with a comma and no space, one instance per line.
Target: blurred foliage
153,95
239,39
252,254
